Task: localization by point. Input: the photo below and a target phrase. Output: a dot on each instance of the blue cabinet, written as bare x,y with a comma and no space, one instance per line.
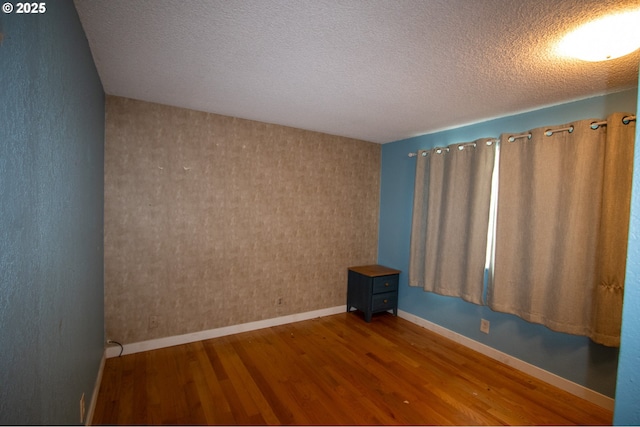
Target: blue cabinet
372,289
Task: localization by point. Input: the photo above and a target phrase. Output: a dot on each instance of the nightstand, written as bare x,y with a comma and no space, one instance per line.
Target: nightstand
372,289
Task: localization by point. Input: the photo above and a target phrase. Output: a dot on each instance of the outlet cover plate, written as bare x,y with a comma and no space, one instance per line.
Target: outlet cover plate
484,326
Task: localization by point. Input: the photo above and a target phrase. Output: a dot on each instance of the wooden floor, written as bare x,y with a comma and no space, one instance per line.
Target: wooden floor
332,370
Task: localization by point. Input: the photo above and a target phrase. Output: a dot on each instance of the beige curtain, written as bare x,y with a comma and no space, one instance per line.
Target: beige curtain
562,226
450,219
614,231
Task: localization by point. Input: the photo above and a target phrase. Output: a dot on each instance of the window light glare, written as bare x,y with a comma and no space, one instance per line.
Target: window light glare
603,39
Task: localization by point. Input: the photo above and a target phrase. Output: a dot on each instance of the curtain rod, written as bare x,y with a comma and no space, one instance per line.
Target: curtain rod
594,125
625,120
460,147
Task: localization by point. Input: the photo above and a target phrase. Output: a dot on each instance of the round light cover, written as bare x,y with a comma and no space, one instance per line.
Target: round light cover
603,39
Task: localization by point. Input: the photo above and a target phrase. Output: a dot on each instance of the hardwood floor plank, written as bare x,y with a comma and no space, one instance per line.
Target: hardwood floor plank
199,375
316,387
217,403
153,393
106,406
253,402
125,412
366,381
279,413
165,389
384,361
183,358
139,401
346,398
281,374
552,399
405,388
330,371
316,361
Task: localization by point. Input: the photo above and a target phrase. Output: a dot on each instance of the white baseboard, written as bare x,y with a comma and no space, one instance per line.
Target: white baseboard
96,390
546,376
551,378
219,332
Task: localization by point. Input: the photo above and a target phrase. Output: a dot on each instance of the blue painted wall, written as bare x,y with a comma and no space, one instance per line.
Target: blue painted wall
627,409
51,217
572,357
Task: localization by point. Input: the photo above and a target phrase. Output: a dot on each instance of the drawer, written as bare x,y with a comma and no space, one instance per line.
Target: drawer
385,284
386,301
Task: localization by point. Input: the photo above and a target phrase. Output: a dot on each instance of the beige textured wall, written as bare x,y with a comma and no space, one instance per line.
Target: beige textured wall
210,219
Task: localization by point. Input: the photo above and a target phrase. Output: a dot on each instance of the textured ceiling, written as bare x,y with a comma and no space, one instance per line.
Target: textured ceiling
377,70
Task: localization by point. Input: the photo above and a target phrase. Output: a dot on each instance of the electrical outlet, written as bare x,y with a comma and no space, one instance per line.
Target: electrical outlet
484,326
153,322
82,409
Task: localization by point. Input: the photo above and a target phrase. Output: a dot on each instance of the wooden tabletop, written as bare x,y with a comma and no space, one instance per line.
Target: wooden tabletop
374,270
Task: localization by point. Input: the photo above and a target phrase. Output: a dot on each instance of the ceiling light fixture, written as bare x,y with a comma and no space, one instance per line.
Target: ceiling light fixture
603,39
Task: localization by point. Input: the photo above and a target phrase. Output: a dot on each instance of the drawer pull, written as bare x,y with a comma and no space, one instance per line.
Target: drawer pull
385,301
386,284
